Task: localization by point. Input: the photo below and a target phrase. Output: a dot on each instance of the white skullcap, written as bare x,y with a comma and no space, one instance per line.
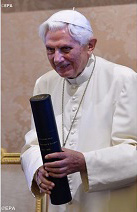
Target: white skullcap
71,17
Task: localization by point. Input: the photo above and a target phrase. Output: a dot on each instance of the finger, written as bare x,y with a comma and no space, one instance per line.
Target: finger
57,175
46,186
56,155
56,164
41,179
42,171
56,170
45,181
45,191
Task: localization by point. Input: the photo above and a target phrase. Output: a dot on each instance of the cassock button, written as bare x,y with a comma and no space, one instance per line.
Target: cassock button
72,132
71,144
74,109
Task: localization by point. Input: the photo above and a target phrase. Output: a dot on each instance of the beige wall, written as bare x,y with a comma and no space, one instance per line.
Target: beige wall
24,58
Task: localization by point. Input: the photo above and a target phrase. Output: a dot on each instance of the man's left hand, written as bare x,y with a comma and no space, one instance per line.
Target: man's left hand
68,162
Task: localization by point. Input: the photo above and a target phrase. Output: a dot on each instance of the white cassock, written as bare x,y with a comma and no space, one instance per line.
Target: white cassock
105,131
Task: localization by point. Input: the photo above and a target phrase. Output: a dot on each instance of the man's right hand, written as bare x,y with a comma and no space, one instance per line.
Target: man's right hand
42,181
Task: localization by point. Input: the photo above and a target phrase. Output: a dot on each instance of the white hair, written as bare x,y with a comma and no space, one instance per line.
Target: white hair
78,33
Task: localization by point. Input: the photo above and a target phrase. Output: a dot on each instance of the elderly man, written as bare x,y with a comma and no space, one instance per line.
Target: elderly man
95,107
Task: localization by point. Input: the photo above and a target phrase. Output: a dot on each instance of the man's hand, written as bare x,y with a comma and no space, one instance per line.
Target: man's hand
68,162
42,181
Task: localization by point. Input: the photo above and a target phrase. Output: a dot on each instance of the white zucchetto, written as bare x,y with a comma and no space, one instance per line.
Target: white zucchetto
71,17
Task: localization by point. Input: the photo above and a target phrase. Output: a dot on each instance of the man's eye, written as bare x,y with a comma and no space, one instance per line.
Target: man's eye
66,49
50,50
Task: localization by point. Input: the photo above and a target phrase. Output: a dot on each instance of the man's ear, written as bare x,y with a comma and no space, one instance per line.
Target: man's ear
91,45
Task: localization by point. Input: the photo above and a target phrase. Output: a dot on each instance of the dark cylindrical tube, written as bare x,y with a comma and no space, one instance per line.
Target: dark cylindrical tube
48,138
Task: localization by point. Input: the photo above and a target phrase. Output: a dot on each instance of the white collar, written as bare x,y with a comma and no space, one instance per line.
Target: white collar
84,76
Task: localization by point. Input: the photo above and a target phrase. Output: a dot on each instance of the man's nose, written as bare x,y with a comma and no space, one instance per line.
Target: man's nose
58,57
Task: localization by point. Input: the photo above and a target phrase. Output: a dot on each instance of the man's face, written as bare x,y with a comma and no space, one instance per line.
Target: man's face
66,55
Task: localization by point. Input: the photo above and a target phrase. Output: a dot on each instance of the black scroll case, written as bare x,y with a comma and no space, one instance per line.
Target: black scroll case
48,138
